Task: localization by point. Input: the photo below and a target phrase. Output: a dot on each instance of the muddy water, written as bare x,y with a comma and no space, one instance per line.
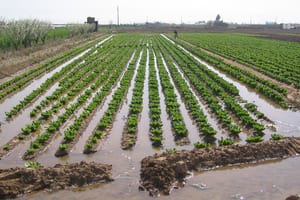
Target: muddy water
193,132
13,100
272,180
9,129
167,128
143,125
79,147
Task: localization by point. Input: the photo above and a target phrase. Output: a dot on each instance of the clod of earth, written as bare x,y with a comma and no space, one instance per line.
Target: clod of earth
293,197
18,181
160,171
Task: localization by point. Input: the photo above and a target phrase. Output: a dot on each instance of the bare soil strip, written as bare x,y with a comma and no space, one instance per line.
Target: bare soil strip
293,93
17,181
160,172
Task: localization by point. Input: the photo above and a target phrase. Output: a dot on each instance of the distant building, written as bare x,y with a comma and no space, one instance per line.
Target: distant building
289,26
200,23
271,23
91,20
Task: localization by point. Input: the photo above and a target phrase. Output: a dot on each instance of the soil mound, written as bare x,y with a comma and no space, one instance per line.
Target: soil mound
161,171
17,181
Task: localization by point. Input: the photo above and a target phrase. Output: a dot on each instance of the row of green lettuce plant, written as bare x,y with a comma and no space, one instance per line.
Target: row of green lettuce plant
274,58
207,94
172,105
107,79
85,75
80,86
23,79
271,90
30,128
189,98
74,68
156,132
67,83
44,86
191,61
217,90
73,132
129,135
230,102
106,121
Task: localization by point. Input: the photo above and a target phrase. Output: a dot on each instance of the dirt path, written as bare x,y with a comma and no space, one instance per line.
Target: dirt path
18,181
15,63
293,96
160,172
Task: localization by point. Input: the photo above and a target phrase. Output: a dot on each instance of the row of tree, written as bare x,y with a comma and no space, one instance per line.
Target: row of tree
29,32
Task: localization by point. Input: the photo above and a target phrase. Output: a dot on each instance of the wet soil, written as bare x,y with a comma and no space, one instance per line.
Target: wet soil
160,172
17,181
293,197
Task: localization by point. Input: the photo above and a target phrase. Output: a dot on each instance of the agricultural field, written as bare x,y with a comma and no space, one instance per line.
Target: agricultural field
277,59
123,97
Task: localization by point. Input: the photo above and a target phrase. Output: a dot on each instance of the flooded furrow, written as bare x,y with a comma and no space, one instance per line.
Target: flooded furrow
210,118
287,121
193,132
113,140
87,73
167,127
52,148
79,147
14,99
143,124
10,129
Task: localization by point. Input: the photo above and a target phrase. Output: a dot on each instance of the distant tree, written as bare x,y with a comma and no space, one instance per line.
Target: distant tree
26,32
2,21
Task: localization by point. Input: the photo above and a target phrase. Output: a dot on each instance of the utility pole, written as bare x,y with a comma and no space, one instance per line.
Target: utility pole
118,17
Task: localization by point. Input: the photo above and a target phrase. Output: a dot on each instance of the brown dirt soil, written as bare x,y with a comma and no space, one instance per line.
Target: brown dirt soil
293,96
128,141
160,172
13,63
285,37
293,197
17,181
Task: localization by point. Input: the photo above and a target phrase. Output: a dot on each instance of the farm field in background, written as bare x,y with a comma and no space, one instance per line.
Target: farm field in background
126,96
277,59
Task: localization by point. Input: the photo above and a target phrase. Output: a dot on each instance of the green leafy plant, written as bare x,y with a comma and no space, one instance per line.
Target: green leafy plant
254,139
33,165
200,145
225,142
173,150
277,136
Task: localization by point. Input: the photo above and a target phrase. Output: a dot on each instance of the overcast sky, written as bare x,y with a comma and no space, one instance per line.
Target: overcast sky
136,11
